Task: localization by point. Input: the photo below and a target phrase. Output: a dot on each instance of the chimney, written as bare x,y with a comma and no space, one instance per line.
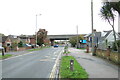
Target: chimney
94,30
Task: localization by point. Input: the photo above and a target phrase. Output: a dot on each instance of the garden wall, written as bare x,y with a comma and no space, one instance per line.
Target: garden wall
112,56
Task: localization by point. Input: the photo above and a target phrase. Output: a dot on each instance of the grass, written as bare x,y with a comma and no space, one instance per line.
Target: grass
5,56
37,49
65,71
66,52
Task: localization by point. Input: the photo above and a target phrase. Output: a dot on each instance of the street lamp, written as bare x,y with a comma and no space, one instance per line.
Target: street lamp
36,28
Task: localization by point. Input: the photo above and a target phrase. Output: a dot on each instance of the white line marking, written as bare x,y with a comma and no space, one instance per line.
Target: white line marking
52,74
17,56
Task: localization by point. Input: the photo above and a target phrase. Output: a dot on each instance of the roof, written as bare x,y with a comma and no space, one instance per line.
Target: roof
106,33
4,38
88,35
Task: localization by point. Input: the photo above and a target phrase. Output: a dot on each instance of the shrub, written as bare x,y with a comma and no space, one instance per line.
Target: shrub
20,44
114,47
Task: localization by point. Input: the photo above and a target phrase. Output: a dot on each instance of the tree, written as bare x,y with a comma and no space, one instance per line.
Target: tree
41,35
20,44
2,34
73,40
115,6
107,14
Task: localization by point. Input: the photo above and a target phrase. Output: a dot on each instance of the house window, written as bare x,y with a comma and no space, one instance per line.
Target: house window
8,44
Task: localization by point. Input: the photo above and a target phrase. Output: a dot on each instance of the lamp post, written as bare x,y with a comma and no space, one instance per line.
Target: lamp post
36,28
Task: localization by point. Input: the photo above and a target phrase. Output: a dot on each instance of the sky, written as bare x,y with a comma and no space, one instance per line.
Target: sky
57,16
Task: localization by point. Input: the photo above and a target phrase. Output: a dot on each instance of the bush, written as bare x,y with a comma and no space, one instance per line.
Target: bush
20,44
114,47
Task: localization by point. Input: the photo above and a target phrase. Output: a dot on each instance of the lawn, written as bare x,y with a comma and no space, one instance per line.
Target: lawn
5,56
65,71
37,49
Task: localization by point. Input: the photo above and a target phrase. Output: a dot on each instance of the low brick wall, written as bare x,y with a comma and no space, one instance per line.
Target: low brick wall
113,56
23,48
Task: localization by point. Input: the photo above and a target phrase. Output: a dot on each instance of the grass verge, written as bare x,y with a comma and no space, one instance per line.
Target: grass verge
37,49
65,71
5,56
66,52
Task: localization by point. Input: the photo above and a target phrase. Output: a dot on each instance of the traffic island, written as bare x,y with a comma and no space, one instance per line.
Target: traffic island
76,72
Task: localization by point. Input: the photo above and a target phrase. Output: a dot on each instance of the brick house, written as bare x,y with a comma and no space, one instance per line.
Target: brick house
32,41
47,41
6,43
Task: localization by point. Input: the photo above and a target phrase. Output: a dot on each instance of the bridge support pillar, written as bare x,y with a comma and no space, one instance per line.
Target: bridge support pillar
52,42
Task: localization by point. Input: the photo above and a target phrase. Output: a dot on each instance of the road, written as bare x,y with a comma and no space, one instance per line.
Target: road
35,64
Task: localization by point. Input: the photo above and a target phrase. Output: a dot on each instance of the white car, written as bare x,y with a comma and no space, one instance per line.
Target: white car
1,48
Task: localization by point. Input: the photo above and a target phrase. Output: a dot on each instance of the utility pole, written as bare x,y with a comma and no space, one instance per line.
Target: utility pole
92,26
36,29
77,35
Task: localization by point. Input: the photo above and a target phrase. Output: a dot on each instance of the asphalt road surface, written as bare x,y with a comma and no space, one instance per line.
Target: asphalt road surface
35,64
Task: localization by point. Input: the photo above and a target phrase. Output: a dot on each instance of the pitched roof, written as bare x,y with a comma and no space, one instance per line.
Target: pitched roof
107,33
4,38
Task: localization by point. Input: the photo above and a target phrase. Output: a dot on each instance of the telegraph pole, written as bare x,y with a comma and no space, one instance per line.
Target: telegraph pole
36,31
92,26
77,35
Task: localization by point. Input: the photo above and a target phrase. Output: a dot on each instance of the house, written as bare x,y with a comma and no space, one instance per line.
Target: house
25,39
96,38
6,43
46,41
107,39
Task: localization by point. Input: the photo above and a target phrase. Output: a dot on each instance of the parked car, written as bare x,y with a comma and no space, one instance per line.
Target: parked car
2,49
55,45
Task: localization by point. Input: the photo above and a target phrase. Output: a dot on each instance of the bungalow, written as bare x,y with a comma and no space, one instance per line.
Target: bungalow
107,39
97,36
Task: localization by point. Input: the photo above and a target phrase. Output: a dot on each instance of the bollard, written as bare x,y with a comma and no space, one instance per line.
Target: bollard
87,49
71,65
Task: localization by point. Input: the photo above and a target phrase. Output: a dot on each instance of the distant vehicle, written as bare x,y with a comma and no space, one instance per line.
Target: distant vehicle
55,45
27,45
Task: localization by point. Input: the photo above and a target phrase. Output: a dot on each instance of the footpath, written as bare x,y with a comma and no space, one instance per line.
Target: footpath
94,66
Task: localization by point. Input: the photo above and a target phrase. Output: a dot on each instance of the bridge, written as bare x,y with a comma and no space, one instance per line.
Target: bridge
61,37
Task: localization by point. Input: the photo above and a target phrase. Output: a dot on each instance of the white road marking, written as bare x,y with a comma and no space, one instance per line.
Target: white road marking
17,56
52,74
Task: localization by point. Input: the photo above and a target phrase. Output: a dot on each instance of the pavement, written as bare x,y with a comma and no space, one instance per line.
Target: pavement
94,66
35,64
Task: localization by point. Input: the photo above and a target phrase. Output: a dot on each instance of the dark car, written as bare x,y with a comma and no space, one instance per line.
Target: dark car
55,45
